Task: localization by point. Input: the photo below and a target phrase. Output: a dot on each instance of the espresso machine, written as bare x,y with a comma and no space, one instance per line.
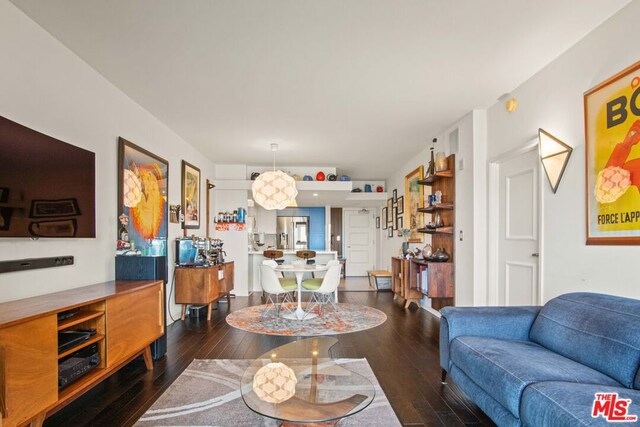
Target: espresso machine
198,252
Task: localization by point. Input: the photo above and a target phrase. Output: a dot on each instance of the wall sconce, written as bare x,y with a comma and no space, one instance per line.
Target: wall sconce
554,155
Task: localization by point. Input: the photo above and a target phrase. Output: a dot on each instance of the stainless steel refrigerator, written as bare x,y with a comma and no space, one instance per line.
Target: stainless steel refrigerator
293,232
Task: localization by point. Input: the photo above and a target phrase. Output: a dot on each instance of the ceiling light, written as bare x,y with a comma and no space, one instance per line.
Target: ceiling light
274,189
554,155
315,194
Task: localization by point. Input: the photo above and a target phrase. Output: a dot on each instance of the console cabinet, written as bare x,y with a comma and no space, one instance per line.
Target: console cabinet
203,285
127,317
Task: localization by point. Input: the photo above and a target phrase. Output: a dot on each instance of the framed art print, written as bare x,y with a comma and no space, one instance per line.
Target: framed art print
414,200
390,217
383,218
190,195
401,205
612,138
377,222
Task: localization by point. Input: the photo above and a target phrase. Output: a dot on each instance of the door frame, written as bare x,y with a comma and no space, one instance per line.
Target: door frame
494,225
372,212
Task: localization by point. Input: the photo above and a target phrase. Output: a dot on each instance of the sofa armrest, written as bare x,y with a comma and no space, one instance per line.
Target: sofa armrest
511,323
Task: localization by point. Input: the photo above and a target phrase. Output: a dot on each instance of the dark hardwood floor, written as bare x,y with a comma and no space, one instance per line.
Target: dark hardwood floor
403,353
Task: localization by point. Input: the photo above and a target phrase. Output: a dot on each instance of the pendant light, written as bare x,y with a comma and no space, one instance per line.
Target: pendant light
274,189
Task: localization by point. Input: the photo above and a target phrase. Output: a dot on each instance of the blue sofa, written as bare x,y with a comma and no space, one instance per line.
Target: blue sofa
542,366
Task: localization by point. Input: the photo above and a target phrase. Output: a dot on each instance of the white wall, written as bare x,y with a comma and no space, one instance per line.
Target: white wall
46,87
552,99
235,242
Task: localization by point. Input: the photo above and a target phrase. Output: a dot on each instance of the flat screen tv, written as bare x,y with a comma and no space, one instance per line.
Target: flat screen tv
47,187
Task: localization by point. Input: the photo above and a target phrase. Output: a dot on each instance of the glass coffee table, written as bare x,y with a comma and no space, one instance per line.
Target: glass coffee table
299,384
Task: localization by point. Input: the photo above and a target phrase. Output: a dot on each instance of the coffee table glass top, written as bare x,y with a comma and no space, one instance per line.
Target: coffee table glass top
299,382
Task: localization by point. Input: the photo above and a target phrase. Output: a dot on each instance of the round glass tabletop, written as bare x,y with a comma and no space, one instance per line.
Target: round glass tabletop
299,382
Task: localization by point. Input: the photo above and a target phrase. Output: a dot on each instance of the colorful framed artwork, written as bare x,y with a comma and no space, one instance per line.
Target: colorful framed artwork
612,138
143,180
400,205
414,200
383,215
190,195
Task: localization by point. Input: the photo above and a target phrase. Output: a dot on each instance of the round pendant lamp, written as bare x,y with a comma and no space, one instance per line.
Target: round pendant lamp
274,189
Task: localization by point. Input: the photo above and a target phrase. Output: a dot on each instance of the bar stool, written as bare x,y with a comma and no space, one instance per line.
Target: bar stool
272,254
306,255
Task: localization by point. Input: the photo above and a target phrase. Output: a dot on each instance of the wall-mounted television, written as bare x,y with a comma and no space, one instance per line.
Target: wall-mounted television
47,187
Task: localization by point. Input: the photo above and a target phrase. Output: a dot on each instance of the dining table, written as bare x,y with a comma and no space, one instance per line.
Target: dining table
299,270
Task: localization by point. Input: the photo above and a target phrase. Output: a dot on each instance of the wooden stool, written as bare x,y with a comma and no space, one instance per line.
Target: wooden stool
272,254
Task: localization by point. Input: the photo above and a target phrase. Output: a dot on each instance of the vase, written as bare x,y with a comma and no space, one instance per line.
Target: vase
427,251
405,248
440,255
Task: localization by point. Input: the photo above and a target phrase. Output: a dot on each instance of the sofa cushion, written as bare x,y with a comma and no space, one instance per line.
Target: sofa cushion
503,368
568,404
593,329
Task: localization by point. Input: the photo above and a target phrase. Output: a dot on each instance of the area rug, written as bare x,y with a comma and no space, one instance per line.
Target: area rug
349,318
207,393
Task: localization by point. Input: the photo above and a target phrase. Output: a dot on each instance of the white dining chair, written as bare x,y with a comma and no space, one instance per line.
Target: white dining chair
317,281
323,291
273,291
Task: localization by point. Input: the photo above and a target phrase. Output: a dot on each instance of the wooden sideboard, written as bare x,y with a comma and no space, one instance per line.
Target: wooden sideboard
203,285
127,315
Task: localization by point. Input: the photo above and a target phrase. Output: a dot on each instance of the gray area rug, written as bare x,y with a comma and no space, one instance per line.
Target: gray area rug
207,393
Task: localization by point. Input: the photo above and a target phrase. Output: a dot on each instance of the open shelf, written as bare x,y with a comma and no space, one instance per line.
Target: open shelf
78,318
83,344
86,381
440,230
433,178
441,207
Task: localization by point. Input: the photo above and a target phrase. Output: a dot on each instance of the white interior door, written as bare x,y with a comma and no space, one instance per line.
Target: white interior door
518,224
359,241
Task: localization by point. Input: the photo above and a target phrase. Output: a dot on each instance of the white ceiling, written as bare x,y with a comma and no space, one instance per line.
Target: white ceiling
359,84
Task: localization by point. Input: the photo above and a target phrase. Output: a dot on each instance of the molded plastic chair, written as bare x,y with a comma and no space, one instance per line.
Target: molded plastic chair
272,288
323,290
289,284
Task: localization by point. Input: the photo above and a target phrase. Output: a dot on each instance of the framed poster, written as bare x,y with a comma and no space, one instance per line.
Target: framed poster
414,200
401,204
390,217
190,195
383,218
612,137
143,181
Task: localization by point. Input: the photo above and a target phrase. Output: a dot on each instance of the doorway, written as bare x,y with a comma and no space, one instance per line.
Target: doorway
359,241
514,224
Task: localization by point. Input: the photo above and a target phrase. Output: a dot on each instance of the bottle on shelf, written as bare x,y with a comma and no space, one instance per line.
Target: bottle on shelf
431,169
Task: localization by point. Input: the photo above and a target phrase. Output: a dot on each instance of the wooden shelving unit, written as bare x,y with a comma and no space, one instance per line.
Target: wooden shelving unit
79,318
441,287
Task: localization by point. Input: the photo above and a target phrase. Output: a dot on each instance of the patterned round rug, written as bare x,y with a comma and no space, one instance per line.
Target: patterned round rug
349,318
